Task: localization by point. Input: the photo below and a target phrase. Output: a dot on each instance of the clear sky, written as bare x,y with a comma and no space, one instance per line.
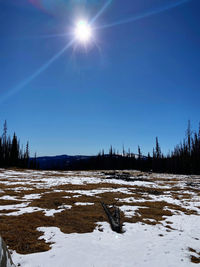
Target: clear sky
138,78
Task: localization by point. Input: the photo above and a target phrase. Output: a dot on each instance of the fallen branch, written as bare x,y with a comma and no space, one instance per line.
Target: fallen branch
113,217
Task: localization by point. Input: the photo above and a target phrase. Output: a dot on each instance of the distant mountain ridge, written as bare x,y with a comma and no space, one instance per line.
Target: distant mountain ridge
59,161
66,162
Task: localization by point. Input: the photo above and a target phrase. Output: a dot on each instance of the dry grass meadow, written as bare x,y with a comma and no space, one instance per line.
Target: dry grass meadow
72,202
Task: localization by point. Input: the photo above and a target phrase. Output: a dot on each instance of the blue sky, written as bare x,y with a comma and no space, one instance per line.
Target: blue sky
138,80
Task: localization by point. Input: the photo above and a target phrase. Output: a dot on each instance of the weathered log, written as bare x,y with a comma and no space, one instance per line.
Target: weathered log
5,257
113,217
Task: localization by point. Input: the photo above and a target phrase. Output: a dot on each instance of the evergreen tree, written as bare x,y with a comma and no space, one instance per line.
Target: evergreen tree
139,153
14,154
10,152
111,151
158,150
189,133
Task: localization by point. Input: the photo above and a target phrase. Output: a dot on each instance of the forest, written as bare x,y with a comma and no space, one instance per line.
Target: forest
11,153
183,159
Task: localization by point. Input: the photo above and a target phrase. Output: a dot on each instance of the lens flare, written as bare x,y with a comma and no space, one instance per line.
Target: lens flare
87,36
148,13
83,31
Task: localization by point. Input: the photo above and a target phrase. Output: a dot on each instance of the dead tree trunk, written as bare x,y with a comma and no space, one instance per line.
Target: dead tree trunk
113,217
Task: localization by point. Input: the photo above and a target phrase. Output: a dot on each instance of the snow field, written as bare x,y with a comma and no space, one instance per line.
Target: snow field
161,217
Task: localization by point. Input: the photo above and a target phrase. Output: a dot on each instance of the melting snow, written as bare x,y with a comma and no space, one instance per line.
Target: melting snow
140,246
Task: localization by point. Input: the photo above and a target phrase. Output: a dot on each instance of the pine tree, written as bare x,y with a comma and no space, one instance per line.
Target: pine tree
111,151
4,143
26,156
139,153
189,134
158,150
5,132
123,151
14,154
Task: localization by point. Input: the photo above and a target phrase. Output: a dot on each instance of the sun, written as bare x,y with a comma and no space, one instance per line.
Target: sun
83,31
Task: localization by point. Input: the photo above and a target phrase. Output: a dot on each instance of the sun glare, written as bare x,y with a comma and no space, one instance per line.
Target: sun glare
83,31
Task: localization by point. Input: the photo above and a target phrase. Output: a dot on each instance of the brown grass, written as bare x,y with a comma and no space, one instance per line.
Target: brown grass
89,186
194,259
21,193
21,234
2,186
4,202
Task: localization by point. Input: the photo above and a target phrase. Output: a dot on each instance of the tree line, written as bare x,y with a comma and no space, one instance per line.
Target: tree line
184,158
12,154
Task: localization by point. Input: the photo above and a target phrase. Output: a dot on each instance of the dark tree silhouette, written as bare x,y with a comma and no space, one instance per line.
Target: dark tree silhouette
183,159
11,155
14,153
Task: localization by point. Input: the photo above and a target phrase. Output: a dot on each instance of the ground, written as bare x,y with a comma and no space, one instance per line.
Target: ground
52,218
